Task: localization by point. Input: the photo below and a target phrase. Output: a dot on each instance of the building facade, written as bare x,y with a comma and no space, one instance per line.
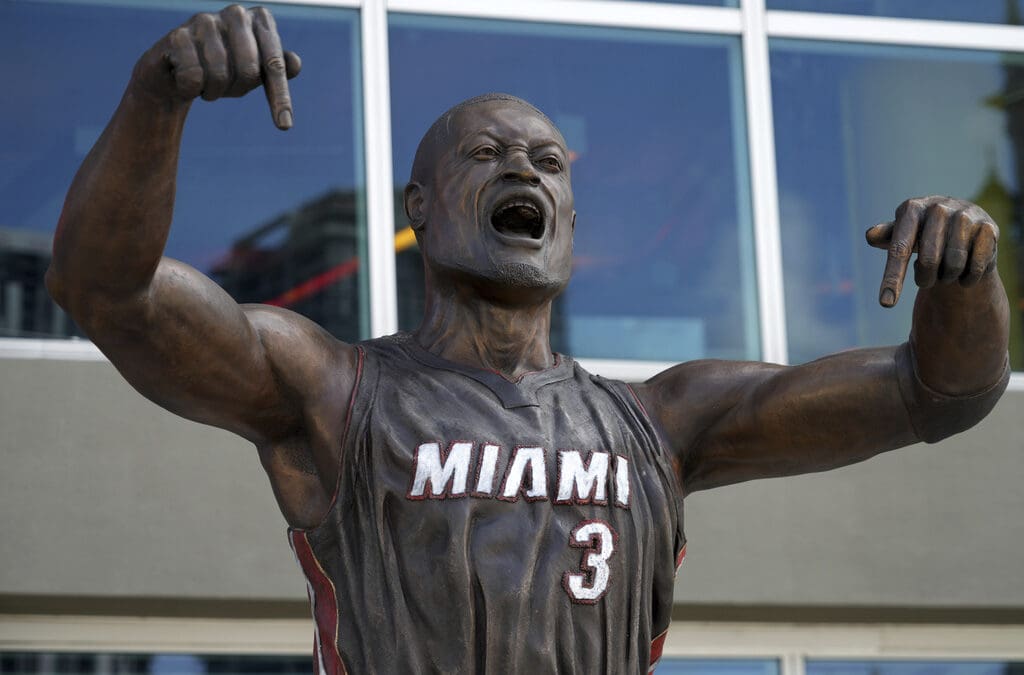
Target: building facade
727,157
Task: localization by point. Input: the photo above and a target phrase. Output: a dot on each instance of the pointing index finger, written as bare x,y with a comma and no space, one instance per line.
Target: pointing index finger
904,237
273,67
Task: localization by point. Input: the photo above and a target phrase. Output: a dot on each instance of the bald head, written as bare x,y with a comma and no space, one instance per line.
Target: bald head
439,136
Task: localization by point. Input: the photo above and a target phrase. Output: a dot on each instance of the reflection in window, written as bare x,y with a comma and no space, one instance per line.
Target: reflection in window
680,666
663,255
858,130
985,11
272,216
914,668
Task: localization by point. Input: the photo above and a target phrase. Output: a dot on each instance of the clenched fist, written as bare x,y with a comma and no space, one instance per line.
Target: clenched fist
229,53
955,240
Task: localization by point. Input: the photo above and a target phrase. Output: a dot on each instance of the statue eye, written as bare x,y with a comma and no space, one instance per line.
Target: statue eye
485,153
551,163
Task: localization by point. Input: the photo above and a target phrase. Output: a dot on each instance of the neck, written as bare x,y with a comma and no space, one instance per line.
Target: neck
463,327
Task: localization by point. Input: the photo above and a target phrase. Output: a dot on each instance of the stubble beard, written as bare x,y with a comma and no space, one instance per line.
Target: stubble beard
504,281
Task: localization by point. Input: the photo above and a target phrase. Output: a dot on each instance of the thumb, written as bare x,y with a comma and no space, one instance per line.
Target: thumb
292,64
880,236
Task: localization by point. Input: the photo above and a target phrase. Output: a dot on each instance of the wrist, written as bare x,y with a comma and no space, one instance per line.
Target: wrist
152,84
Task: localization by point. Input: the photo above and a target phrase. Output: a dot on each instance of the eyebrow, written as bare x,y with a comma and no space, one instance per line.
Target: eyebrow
480,135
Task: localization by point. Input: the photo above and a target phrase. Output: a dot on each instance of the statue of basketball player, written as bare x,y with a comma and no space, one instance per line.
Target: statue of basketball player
461,499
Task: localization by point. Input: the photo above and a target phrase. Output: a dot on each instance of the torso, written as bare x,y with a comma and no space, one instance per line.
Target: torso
482,525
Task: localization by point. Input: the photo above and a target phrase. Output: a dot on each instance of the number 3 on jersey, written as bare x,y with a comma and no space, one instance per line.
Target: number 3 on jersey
597,539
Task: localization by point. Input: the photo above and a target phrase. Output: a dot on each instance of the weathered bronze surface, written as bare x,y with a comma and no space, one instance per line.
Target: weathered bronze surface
280,381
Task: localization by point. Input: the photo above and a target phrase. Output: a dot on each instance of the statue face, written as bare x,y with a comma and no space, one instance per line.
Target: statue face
497,213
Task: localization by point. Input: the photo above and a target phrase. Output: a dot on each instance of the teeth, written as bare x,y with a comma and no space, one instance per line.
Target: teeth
519,217
520,203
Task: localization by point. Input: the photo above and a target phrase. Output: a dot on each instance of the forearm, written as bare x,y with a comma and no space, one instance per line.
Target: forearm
954,368
118,210
960,335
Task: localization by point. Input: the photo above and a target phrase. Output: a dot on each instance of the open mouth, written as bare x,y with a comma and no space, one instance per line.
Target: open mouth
518,217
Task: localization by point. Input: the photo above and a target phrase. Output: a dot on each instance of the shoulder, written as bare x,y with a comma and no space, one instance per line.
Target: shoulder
308,362
707,382
689,398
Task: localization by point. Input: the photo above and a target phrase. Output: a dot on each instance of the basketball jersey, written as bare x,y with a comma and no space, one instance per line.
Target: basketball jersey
482,525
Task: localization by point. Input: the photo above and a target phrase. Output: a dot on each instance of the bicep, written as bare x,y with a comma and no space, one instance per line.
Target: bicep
732,422
189,347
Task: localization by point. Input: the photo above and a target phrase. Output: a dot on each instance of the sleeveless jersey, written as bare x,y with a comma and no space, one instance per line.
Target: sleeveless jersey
482,525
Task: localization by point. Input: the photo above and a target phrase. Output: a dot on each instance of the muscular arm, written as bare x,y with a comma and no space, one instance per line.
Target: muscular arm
174,334
731,422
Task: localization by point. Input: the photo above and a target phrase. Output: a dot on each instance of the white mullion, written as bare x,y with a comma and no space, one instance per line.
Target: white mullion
792,663
892,31
613,13
764,185
379,182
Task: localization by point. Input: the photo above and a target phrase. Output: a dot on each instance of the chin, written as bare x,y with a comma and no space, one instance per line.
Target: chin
512,282
525,276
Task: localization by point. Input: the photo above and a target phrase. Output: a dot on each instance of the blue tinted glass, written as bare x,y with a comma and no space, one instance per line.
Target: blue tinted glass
663,254
913,668
859,129
272,216
680,666
987,11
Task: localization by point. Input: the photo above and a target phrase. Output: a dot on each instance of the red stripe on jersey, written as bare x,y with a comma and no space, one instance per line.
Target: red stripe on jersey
324,602
657,647
658,643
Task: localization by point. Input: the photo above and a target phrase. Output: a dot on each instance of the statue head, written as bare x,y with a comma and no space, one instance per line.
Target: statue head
491,202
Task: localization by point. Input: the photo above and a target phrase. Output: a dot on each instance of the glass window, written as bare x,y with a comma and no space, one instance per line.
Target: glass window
987,11
663,254
271,216
814,667
686,666
859,129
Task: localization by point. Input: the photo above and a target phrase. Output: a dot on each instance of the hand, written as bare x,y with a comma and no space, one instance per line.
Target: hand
955,240
225,54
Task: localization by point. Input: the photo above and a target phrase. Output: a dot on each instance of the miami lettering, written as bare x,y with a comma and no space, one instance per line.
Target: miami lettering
468,469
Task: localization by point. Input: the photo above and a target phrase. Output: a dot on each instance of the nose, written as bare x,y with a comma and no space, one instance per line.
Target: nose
518,167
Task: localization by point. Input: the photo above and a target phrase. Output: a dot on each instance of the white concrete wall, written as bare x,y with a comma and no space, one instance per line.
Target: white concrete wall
104,494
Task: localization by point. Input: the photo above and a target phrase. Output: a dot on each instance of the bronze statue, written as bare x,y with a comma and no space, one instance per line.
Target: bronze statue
460,498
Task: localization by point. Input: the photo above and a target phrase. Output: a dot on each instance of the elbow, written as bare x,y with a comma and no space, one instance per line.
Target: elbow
936,416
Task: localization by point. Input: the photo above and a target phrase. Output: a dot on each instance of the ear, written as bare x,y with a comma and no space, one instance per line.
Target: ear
573,226
415,206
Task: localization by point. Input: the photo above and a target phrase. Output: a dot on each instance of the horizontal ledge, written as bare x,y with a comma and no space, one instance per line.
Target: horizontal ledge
161,606
687,639
83,350
609,13
52,349
892,31
847,614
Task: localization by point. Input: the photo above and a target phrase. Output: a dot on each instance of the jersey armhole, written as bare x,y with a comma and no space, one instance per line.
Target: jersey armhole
676,475
663,442
343,451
